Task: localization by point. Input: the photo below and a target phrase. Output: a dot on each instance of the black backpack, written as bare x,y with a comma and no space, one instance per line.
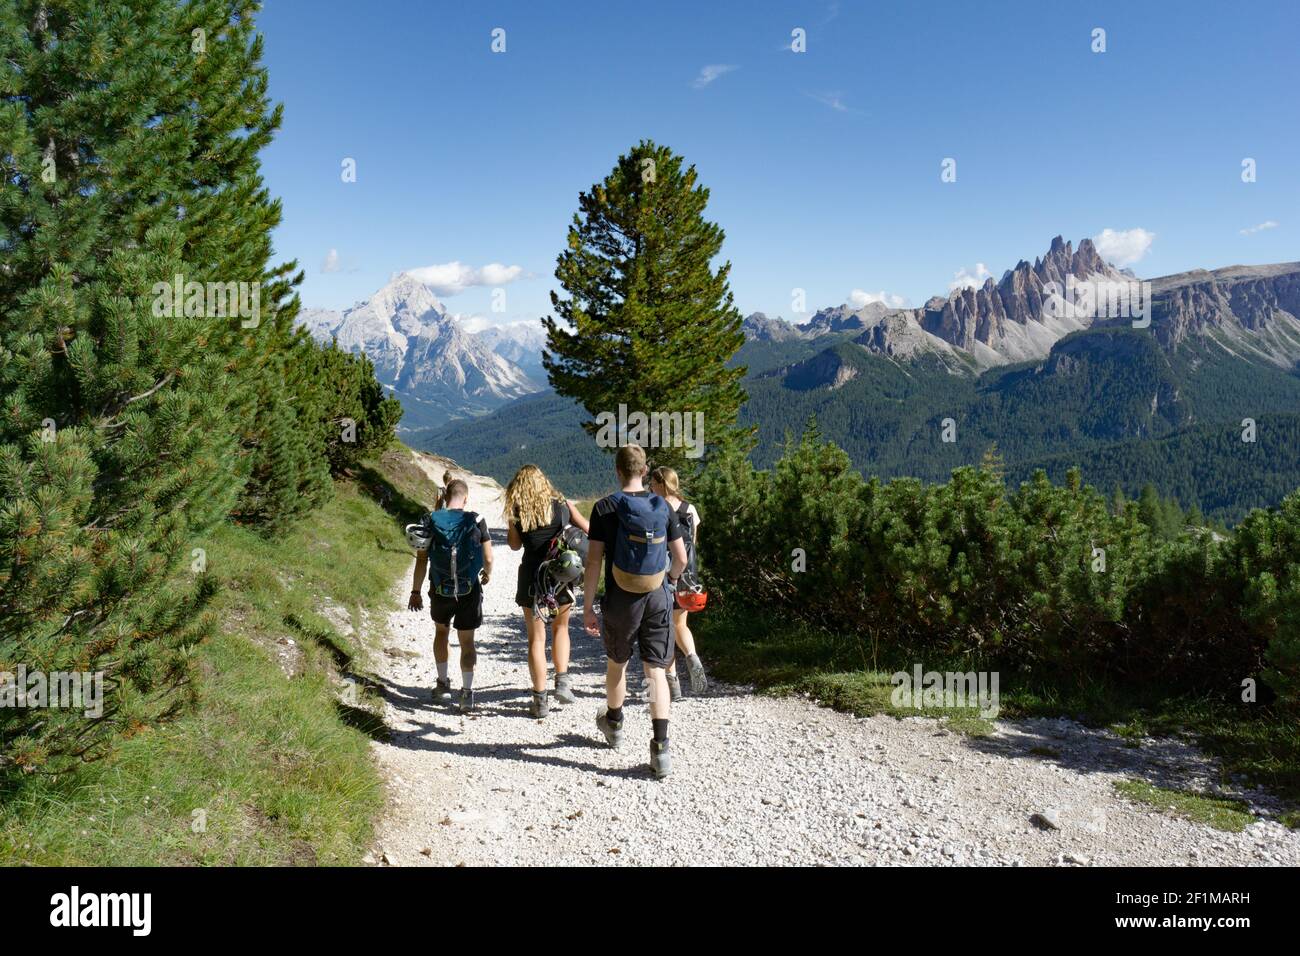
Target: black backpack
686,521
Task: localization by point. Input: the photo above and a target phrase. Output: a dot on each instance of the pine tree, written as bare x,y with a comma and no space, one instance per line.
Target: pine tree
129,134
1150,511
354,416
647,323
993,463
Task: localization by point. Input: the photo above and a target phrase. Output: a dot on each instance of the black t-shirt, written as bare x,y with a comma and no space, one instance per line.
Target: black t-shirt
537,542
604,528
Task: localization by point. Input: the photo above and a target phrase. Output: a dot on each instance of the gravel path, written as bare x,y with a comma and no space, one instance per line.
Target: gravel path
756,780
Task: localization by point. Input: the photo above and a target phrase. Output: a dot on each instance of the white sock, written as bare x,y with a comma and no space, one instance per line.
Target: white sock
467,680
442,670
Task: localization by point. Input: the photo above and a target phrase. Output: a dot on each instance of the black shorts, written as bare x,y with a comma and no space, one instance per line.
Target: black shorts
524,595
464,613
643,618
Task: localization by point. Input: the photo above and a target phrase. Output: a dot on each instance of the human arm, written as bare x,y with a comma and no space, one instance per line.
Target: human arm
416,600
485,540
577,520
676,551
591,577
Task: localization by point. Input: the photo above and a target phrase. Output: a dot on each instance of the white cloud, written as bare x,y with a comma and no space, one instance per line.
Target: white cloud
331,263
1123,247
711,72
452,278
859,298
472,322
964,279
835,100
1266,224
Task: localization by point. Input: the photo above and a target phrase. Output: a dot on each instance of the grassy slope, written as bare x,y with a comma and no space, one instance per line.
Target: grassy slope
278,766
846,673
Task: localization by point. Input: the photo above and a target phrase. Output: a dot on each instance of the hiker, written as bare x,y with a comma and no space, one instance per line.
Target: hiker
537,518
457,550
633,534
441,502
664,483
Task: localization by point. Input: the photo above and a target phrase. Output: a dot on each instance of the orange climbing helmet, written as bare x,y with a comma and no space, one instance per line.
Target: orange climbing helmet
692,598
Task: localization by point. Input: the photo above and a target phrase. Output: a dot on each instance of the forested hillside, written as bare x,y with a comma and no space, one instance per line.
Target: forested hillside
1111,401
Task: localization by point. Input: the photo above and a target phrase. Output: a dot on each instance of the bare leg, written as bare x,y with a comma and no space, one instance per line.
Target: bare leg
615,683
685,639
441,650
560,640
536,629
468,653
659,700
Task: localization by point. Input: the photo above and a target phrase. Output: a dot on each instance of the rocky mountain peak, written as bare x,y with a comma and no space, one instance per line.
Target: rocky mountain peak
407,304
422,353
1007,321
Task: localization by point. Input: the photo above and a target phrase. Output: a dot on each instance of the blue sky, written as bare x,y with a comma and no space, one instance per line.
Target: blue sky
824,166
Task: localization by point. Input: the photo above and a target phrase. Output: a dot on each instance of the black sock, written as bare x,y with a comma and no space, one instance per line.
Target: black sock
614,715
661,729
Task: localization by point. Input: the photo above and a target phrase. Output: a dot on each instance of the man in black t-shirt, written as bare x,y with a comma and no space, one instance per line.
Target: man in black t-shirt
465,612
643,618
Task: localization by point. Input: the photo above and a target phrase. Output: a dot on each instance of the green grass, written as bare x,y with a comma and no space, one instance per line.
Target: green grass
851,673
1217,812
845,673
265,769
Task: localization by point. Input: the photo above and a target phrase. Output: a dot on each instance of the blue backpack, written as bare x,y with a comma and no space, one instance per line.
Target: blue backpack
641,544
455,553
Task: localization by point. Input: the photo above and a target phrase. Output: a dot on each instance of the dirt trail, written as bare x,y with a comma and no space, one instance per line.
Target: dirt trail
755,780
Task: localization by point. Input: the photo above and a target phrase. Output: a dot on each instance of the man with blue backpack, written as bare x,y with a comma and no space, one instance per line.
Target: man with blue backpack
635,535
454,546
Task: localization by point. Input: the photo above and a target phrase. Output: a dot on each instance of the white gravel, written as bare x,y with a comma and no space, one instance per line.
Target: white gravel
756,780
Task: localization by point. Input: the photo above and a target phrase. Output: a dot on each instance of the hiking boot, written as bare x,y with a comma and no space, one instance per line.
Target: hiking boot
661,764
540,706
442,691
466,700
564,689
699,680
613,731
674,687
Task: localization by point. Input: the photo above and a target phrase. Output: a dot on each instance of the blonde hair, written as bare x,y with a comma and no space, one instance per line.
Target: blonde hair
667,477
530,497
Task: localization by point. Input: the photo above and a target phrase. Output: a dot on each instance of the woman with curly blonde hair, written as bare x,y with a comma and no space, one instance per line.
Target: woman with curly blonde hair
536,514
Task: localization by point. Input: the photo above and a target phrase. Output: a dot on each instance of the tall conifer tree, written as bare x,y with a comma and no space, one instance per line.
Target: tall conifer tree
647,321
129,134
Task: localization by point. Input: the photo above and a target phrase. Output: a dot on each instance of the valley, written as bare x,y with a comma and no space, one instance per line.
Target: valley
1163,401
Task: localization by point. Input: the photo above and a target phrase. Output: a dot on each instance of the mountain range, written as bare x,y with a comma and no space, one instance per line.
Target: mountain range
1163,401
1251,310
